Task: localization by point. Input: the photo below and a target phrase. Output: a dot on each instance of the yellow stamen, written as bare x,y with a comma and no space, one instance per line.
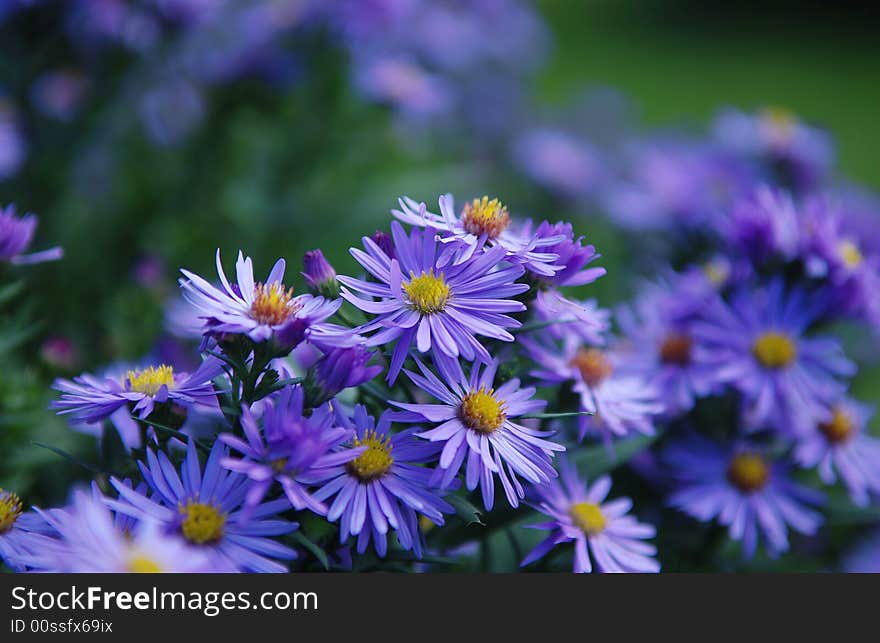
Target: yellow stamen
481,411
425,524
676,349
427,294
150,380
593,365
375,461
10,510
482,216
748,472
780,121
272,304
840,428
202,523
850,254
143,565
774,350
716,272
587,517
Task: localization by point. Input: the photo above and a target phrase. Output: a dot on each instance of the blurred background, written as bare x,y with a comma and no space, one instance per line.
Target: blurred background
146,134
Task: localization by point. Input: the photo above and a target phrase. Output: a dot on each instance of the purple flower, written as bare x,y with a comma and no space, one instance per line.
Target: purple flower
477,431
571,256
89,541
15,237
289,447
757,345
483,223
319,274
744,490
436,307
580,514
840,446
90,399
565,316
21,533
206,508
764,226
339,369
382,487
60,93
619,402
659,348
13,145
406,85
262,311
558,161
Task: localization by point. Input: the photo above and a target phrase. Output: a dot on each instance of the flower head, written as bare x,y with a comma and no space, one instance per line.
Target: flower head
21,532
571,255
339,369
206,508
437,308
289,447
15,237
477,429
383,487
319,274
742,488
580,514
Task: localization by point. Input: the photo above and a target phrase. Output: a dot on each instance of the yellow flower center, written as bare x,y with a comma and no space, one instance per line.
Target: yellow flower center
774,350
202,523
426,524
748,472
150,380
676,349
850,254
375,461
587,517
427,294
482,216
593,365
143,565
839,429
272,304
780,120
278,465
481,411
716,272
10,510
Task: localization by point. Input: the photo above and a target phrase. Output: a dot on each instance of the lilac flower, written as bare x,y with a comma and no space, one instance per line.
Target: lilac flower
21,533
604,529
801,154
477,430
558,161
90,399
339,369
206,508
757,345
619,402
660,349
262,311
840,446
383,486
764,226
89,541
289,447
571,256
406,85
15,237
569,316
436,307
319,274
483,223
744,490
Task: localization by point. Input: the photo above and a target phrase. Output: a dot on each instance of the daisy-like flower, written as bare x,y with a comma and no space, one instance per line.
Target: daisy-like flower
743,490
602,529
483,223
206,509
262,311
383,487
289,447
21,532
660,349
764,225
478,432
90,541
439,308
337,370
16,234
572,257
90,399
619,402
839,446
757,344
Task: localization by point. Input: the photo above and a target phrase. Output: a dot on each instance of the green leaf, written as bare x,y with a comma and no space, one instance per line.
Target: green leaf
67,456
594,461
466,510
9,291
316,551
553,416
